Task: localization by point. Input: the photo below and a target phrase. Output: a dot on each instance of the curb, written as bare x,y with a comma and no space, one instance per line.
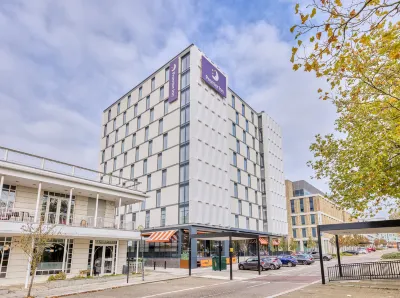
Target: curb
115,287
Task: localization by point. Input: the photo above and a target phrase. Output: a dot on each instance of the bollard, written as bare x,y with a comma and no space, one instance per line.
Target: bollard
165,265
154,265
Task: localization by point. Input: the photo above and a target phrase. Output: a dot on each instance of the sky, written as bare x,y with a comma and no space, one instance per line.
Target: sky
63,62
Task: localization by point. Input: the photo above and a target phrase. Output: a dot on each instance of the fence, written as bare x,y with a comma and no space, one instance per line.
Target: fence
358,271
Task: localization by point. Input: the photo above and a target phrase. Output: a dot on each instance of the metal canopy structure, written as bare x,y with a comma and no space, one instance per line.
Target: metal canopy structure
367,227
225,236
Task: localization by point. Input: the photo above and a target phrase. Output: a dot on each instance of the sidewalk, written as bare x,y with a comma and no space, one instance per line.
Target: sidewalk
69,287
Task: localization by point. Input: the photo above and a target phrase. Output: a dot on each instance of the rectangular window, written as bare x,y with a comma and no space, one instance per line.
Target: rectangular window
294,233
119,108
245,164
153,84
244,137
143,206
185,115
185,79
166,107
140,92
185,97
257,224
235,190
122,146
243,109
165,141
184,153
237,146
312,219
257,159
147,224
147,102
162,93
134,217
301,205
137,154
248,152
148,182
164,178
127,129
124,118
234,129
249,180
132,171
158,198
247,125
105,167
236,221
146,134
184,193
237,118
294,220
254,143
115,164
250,210
247,223
159,161
105,130
183,214
135,110
116,136
167,74
254,169
125,159
112,151
139,122
311,200
234,159
259,212
150,148
160,126
134,140
184,173
303,220
314,232
151,114
233,101
185,134
129,100
304,232
246,194
239,179
109,115
252,117
240,207
163,216
145,166
258,184
103,155
114,124
185,62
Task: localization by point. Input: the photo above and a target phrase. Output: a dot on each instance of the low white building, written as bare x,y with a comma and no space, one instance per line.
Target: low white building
77,201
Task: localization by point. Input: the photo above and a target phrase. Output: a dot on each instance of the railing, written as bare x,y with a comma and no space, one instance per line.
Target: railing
16,215
371,270
50,165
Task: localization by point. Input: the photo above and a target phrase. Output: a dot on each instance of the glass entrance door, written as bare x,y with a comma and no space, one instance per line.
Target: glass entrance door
104,259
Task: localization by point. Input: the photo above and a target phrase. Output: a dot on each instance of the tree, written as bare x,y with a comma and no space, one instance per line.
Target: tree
311,244
283,244
34,240
378,242
394,215
293,245
356,48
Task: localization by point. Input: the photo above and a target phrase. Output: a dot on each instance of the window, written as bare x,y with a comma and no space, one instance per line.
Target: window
303,219
150,148
105,130
249,180
122,146
233,101
185,134
237,118
311,200
301,205
119,108
167,74
146,134
294,233
250,210
143,206
147,102
112,151
255,169
124,118
257,159
247,223
160,126
239,180
304,232
312,219
145,166
258,184
134,140
236,221
158,198
245,164
185,79
148,182
184,153
234,159
102,156
105,167
139,122
109,115
252,117
162,93
237,146
247,125
185,97
185,115
254,143
259,212
235,190
244,137
151,114
294,220
116,136
135,110
137,154
234,129
257,224
166,107
132,171
184,214
165,141
184,193
248,152
140,92
246,194
184,172
115,164
186,62
243,109
129,100
114,124
7,201
163,216
153,84
147,224
134,217
314,232
240,207
159,161
164,178
127,129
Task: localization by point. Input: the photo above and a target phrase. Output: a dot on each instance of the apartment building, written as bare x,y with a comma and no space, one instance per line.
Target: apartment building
307,208
76,202
207,160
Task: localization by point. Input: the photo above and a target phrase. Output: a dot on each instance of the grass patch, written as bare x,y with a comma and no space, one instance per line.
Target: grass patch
58,276
392,255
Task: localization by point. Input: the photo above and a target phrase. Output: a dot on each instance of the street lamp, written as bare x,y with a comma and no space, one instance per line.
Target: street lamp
140,229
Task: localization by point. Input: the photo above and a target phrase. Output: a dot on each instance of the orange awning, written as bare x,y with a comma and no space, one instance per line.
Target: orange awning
276,242
162,236
263,241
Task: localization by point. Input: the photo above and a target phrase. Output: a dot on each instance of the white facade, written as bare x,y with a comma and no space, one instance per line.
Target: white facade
225,169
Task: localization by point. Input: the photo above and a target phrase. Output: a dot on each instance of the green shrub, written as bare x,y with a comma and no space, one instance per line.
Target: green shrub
379,248
346,254
392,255
58,276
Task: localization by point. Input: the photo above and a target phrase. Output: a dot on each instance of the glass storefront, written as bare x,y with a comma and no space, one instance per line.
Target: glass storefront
56,257
5,249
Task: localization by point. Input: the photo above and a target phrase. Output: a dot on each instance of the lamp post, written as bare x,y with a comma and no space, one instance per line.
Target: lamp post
140,229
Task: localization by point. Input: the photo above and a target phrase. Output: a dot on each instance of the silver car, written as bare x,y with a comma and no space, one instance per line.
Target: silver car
252,264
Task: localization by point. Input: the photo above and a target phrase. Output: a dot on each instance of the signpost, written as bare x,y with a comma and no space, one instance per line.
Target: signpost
140,229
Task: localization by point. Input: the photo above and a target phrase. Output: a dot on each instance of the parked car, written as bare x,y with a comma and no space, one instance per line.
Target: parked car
265,263
305,259
325,257
274,262
362,251
288,260
353,252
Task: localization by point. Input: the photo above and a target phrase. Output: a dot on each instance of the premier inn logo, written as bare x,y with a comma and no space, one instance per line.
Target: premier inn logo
213,77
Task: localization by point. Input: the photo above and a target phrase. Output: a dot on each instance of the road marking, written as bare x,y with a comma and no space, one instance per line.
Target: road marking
292,290
259,285
188,289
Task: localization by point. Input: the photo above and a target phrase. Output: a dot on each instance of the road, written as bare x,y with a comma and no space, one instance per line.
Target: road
206,283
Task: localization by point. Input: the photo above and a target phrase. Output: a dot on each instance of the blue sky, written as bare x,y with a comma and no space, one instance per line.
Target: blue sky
63,62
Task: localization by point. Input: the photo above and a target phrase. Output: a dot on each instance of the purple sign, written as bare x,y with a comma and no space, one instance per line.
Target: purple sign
213,77
173,80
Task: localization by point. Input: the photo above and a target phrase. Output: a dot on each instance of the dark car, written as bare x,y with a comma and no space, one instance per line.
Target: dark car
304,259
288,260
352,252
252,264
325,257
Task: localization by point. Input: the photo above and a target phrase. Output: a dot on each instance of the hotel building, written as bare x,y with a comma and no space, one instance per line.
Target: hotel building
207,159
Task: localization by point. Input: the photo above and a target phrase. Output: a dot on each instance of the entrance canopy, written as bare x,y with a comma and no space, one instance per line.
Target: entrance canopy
367,227
162,236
